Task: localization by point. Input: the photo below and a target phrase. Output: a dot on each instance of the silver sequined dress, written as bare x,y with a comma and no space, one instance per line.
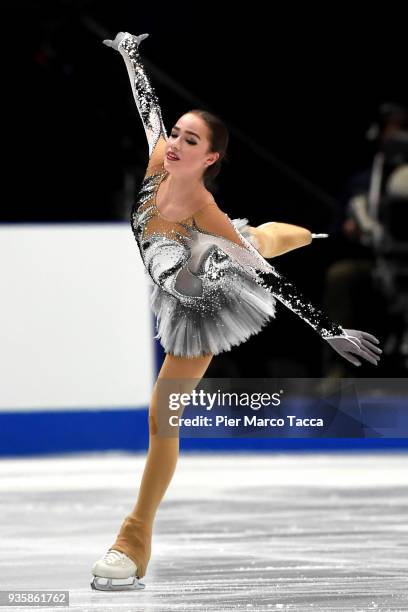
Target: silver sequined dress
210,287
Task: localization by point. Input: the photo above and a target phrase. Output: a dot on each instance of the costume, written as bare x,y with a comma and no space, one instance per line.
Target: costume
211,288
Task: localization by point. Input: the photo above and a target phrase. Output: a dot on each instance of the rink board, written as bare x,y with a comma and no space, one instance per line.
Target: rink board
29,433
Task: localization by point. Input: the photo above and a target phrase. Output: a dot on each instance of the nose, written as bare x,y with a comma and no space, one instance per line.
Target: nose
174,149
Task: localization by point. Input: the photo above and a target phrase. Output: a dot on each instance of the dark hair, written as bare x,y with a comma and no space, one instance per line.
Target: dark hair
386,113
219,138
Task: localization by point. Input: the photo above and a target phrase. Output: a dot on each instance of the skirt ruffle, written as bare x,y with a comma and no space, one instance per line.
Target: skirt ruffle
187,332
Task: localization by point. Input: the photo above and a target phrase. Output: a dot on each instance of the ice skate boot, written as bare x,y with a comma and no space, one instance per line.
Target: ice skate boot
115,571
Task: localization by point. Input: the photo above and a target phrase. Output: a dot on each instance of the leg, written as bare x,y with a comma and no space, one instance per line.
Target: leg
134,538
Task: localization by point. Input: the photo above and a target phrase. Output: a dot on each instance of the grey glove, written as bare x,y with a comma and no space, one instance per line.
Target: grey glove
120,36
358,343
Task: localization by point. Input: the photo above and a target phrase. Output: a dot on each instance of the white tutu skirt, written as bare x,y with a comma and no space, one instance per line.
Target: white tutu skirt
243,308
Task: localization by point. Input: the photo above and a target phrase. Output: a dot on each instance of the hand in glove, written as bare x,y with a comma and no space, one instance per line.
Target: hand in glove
356,343
119,37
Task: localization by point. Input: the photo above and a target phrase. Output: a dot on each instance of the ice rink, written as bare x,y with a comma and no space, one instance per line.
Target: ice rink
242,531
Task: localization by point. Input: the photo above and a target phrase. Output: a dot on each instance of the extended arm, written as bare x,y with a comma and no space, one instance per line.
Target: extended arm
292,298
349,343
143,92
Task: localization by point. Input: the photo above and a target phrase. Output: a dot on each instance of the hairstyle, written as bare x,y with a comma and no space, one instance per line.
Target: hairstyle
219,138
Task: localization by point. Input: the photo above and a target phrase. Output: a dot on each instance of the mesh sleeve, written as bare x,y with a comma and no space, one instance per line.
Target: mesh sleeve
143,91
287,293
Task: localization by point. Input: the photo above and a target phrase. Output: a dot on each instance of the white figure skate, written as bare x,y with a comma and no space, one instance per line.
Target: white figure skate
115,572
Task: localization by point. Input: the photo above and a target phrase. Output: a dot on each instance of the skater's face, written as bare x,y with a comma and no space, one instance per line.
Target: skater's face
190,140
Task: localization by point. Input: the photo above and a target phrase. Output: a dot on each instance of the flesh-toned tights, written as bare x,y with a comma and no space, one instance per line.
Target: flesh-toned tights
134,537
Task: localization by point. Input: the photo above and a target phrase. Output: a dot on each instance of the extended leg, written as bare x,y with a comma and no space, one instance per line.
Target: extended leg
273,238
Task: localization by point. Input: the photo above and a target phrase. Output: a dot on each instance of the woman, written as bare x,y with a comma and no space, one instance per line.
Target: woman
211,288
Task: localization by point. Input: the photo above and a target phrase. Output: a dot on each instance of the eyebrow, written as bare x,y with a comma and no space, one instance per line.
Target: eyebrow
187,132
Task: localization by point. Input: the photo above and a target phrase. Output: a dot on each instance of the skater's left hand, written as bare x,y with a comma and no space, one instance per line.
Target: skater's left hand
356,343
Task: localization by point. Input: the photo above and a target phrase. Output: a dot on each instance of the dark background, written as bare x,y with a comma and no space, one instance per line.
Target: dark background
297,91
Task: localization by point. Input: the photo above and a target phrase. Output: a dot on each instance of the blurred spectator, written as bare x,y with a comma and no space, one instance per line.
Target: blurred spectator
353,297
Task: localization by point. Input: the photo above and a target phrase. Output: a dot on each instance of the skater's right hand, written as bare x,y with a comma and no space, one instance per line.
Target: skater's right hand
120,36
357,343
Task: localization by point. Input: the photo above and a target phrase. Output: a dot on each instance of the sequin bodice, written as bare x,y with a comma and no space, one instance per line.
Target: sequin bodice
188,258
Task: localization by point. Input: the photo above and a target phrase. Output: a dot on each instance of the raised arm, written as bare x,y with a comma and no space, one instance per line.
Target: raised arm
144,94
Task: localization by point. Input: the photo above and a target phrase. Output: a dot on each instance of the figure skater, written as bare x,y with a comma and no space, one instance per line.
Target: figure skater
211,288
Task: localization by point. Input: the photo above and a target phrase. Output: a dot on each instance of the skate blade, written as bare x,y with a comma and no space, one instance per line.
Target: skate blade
117,584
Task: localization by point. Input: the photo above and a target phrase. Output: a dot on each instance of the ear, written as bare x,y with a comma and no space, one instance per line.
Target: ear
211,160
